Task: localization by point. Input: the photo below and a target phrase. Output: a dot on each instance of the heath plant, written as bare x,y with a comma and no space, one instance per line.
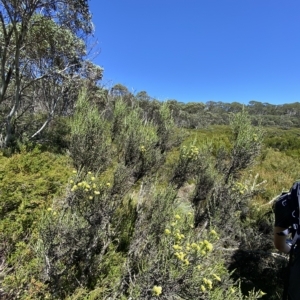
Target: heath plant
78,230
247,142
90,142
169,259
136,141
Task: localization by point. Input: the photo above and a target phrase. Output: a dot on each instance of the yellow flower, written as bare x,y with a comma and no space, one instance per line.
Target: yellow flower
177,247
208,245
49,208
74,188
208,283
90,197
194,245
217,277
156,290
178,236
93,178
108,184
167,231
203,289
177,217
89,173
71,181
213,232
186,262
74,171
54,213
96,192
232,290
173,224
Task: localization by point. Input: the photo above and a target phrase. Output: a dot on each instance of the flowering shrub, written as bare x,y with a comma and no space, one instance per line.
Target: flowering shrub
182,263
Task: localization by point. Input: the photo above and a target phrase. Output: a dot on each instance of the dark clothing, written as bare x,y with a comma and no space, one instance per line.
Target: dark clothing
286,216
283,213
294,280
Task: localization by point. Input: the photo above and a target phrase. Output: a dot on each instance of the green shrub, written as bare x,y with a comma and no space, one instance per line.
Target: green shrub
90,142
28,182
168,259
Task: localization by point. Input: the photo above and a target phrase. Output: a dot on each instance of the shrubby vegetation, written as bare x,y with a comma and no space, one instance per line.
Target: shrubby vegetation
109,195
141,210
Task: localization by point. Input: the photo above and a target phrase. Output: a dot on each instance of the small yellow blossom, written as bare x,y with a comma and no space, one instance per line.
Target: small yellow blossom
194,245
208,282
54,213
186,261
49,208
173,224
90,197
213,232
203,289
232,290
96,192
74,171
217,277
156,290
177,247
208,245
89,173
108,184
178,236
93,178
71,181
167,231
177,217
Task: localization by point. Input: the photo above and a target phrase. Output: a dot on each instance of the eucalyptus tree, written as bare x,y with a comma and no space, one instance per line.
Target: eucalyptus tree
42,50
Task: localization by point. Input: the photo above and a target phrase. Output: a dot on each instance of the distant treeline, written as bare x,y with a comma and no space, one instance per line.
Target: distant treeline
198,114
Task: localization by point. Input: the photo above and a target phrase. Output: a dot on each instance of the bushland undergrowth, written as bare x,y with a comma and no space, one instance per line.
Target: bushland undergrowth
140,211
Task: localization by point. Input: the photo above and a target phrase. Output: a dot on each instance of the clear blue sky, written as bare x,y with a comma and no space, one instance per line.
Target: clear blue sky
201,50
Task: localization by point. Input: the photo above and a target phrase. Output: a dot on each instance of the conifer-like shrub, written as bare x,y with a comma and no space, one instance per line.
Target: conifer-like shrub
90,142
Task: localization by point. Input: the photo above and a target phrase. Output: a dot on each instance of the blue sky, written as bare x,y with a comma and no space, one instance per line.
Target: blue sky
201,50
